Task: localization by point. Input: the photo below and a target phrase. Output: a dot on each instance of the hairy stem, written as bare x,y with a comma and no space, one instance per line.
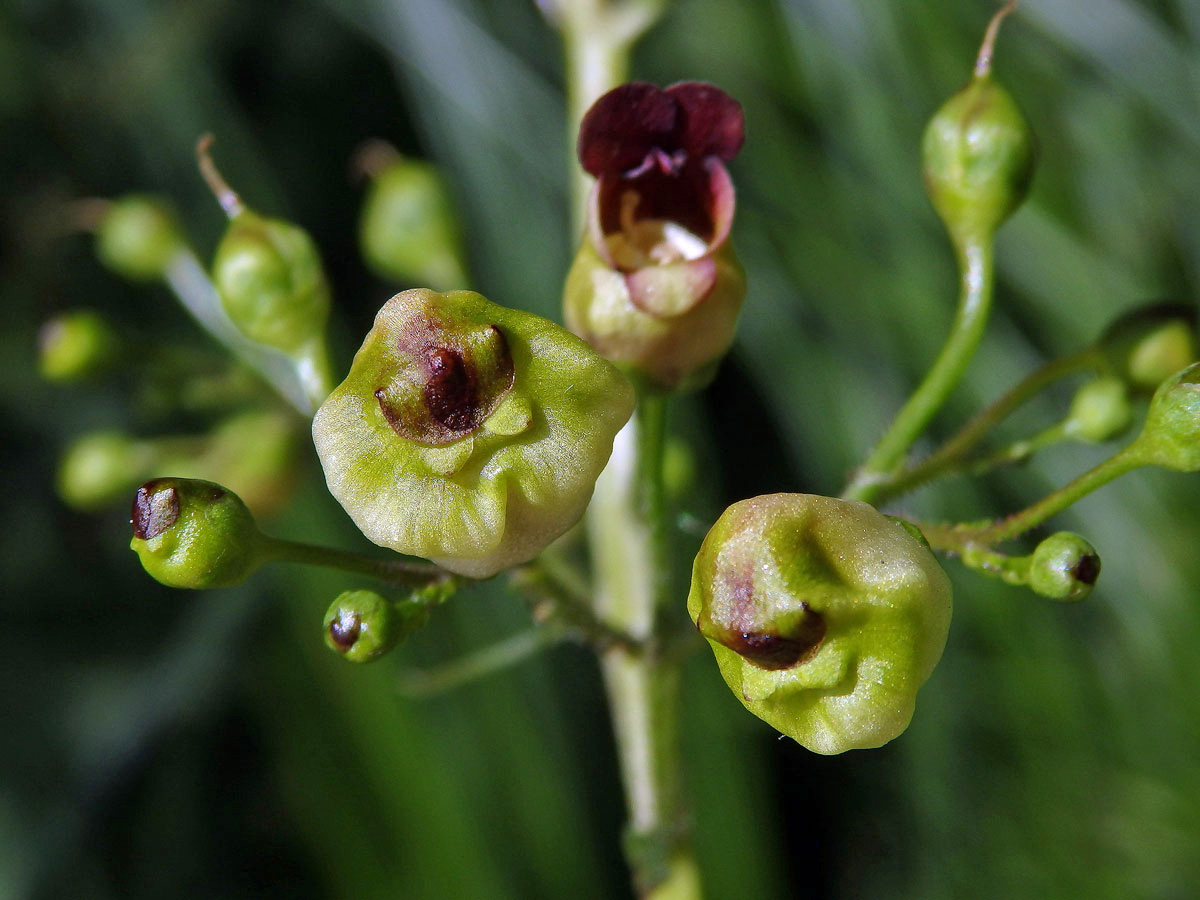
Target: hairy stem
975,300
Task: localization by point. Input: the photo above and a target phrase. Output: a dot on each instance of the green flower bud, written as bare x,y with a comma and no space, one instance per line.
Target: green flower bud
1147,346
194,534
1064,567
978,153
74,345
825,616
362,626
1100,411
267,272
101,467
468,433
1171,435
408,231
137,237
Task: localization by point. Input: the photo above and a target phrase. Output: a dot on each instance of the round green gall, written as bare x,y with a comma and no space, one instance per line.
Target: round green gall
1147,346
137,237
468,433
1100,410
362,626
825,616
194,534
408,231
1064,567
978,155
75,345
1171,435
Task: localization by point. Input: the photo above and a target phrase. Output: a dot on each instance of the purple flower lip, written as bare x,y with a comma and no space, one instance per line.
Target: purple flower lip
662,194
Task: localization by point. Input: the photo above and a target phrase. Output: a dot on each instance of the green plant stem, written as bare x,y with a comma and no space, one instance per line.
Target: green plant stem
975,301
420,684
400,573
954,451
959,538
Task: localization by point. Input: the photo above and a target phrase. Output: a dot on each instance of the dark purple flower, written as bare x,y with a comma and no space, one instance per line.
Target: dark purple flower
662,194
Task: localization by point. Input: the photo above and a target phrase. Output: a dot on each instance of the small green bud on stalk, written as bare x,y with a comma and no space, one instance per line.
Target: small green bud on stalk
1147,346
101,467
137,236
468,433
267,272
408,231
825,616
362,626
1100,411
978,153
75,345
194,534
1064,567
1171,435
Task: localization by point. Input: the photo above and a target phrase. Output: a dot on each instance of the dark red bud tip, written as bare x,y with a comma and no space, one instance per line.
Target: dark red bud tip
714,124
344,630
1087,570
155,509
777,651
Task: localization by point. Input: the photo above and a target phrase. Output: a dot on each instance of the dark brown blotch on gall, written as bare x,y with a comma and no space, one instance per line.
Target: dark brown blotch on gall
344,631
450,393
778,651
155,509
1087,570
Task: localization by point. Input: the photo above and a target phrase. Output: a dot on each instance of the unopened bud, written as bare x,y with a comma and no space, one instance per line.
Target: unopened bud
74,345
362,626
137,237
1100,410
1147,346
1064,567
1171,435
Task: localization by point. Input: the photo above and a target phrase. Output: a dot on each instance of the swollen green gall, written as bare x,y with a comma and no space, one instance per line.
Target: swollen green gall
194,534
978,153
267,272
825,616
362,626
656,286
1064,567
1171,435
75,345
1147,346
408,231
468,433
137,237
1100,410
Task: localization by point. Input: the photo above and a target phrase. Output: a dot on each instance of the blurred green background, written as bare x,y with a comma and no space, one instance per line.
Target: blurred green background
157,743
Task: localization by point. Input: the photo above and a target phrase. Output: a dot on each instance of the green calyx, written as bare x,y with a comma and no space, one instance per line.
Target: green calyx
75,345
1064,567
978,154
271,282
194,534
362,626
1171,435
137,237
825,616
667,326
408,230
1147,346
468,433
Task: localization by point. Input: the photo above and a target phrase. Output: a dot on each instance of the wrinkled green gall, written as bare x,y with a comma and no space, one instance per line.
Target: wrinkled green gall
408,230
656,286
138,236
1147,346
1064,567
194,534
825,616
1171,435
978,154
468,433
